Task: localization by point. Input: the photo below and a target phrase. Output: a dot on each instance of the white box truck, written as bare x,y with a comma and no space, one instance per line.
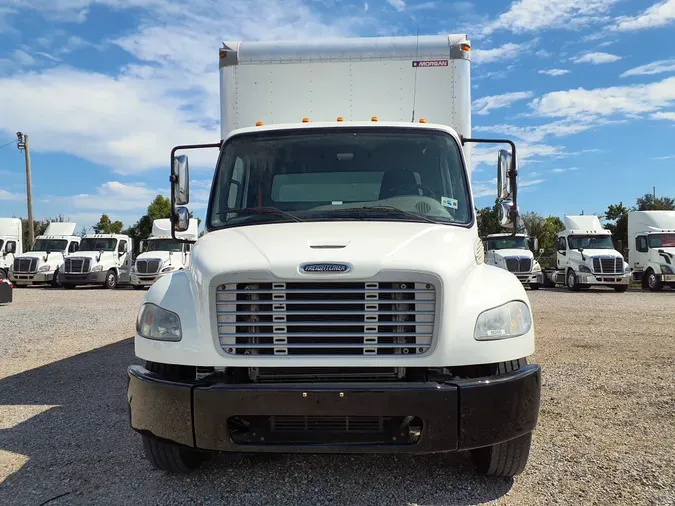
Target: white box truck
163,253
651,248
586,256
512,252
103,259
43,262
11,244
339,300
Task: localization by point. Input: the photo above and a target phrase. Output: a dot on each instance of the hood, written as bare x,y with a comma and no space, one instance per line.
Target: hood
508,253
368,247
164,256
53,256
655,253
90,254
590,253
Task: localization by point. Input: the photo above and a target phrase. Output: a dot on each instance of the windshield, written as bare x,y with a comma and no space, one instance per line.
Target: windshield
661,240
334,174
590,242
507,243
50,245
163,245
98,244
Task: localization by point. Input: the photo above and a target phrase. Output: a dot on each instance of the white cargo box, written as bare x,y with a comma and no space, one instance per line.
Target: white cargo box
585,224
162,228
61,229
10,227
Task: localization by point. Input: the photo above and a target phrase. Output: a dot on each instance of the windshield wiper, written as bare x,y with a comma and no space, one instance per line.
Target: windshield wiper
260,210
387,210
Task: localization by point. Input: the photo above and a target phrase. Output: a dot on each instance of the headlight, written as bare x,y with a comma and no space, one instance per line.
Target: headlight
536,267
512,319
97,268
583,268
169,269
153,322
44,268
667,269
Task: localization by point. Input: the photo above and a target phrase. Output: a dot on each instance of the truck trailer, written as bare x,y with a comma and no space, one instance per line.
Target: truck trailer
163,254
651,248
339,300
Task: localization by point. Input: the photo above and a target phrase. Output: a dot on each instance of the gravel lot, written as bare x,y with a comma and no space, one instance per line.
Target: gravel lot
606,430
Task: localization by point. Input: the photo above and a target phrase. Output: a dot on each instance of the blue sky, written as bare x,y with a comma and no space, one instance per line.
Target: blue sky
105,88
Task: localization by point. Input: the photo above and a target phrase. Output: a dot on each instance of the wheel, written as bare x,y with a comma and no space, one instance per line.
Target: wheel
55,280
110,280
572,281
503,459
653,283
170,457
621,288
534,286
3,274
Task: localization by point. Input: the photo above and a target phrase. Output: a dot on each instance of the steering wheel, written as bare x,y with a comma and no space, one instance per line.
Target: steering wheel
426,188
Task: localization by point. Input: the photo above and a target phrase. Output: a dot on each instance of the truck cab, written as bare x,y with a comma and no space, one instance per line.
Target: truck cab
512,252
162,254
339,300
43,262
11,244
651,248
586,256
103,259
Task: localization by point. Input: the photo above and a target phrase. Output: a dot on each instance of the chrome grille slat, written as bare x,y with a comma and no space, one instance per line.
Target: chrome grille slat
25,265
322,318
608,265
148,265
77,265
513,264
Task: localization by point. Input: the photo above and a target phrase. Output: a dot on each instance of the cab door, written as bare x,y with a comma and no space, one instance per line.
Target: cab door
124,260
562,254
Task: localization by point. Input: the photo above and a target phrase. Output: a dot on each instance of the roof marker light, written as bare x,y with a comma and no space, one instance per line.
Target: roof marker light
258,123
340,118
305,120
374,118
422,120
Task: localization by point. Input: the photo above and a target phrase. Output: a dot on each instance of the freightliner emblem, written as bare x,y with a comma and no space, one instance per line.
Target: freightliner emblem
325,268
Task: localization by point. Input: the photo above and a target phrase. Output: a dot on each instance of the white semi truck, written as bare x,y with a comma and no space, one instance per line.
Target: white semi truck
339,300
11,244
42,263
651,248
512,252
103,259
163,253
586,256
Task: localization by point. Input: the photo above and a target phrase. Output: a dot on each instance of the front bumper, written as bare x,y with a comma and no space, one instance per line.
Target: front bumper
26,279
603,279
144,280
456,415
88,278
667,278
528,278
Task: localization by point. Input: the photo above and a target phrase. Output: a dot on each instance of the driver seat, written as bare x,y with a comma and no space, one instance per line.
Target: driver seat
397,182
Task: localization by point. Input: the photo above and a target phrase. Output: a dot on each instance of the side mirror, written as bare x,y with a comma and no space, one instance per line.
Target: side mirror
180,180
619,245
10,247
142,246
536,244
181,219
541,251
503,179
507,214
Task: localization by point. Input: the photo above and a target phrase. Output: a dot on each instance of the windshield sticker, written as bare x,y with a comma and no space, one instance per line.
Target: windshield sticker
336,203
448,202
429,63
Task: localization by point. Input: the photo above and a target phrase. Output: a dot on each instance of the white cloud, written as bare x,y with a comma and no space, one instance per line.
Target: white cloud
365,7
583,104
23,58
655,67
5,195
668,157
560,128
533,182
112,196
508,51
399,5
596,58
558,171
534,15
664,115
554,72
659,14
485,104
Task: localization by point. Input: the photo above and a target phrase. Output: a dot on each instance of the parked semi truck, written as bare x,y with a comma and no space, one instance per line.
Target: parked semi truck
103,259
163,253
339,300
651,248
11,244
42,263
512,252
586,256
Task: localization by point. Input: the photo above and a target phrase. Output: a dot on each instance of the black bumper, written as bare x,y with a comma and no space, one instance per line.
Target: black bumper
87,278
457,415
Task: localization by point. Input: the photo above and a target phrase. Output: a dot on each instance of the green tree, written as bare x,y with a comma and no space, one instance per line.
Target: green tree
39,228
617,216
158,209
488,220
106,226
649,203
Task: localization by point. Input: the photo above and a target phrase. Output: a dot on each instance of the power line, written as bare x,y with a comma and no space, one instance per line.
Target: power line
4,145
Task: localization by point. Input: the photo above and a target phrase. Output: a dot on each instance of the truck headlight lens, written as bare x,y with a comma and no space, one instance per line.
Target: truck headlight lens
537,267
666,269
153,322
97,268
512,319
583,268
169,269
44,268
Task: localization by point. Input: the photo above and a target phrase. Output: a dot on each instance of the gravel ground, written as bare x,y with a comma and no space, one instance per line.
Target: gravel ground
606,431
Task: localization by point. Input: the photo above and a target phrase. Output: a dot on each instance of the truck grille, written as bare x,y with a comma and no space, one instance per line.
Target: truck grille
25,265
326,318
77,265
513,264
148,266
608,265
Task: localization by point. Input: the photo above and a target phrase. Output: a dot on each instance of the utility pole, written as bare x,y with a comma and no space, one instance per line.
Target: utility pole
22,144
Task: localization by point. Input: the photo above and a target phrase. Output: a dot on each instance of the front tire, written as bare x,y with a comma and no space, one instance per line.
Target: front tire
110,280
572,282
3,274
652,282
534,286
504,459
55,280
621,288
170,457
138,287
